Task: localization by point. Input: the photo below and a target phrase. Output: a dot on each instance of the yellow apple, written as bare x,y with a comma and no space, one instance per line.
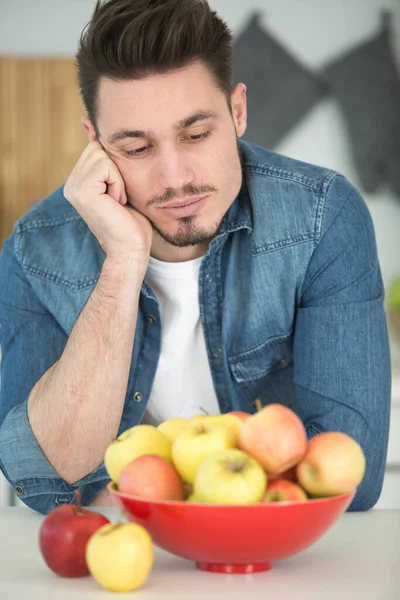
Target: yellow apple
230,477
197,419
171,428
192,498
120,556
228,420
195,443
132,443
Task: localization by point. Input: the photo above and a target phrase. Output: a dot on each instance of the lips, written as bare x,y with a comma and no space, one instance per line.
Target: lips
185,202
185,208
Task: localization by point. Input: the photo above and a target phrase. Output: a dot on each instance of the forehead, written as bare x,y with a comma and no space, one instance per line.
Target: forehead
157,101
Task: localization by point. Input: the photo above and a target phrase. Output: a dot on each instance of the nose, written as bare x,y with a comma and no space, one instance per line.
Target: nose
173,169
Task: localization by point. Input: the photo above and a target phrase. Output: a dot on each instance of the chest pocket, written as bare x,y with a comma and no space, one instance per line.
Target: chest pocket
266,372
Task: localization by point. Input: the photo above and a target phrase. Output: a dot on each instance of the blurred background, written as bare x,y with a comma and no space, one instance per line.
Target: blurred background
323,86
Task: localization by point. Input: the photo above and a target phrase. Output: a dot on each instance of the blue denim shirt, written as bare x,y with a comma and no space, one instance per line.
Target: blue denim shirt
291,303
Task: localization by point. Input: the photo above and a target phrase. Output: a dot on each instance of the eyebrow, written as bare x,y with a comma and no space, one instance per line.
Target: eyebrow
182,124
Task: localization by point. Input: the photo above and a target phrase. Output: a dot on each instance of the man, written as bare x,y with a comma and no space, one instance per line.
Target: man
180,269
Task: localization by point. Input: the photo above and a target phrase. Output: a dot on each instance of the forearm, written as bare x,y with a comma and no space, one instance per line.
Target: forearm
369,428
75,408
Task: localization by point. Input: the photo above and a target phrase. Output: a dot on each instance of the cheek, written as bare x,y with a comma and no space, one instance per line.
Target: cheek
136,184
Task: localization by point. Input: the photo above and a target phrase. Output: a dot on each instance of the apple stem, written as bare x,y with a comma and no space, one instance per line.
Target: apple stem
258,404
204,411
78,502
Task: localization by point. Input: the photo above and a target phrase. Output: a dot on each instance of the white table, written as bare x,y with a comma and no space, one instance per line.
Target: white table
358,559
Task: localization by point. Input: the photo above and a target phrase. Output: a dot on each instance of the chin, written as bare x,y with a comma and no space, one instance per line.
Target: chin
189,233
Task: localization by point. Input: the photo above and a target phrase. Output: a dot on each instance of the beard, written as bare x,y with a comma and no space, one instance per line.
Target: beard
188,234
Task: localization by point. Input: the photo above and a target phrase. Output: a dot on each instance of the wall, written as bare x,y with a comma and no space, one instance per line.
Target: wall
315,31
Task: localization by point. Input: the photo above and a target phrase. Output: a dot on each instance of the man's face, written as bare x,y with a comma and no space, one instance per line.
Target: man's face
174,142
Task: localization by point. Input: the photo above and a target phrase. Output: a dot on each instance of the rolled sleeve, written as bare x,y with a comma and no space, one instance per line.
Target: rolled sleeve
31,341
26,467
341,348
34,479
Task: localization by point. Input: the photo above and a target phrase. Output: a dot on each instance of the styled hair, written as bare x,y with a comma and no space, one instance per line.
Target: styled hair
132,39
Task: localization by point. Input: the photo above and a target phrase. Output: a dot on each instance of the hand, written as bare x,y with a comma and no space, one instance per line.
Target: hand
95,188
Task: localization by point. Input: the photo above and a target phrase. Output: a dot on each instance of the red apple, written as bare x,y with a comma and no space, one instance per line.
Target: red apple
151,476
290,475
281,490
275,436
63,536
333,464
240,413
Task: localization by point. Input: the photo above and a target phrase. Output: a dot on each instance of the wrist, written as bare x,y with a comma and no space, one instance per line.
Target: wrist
119,270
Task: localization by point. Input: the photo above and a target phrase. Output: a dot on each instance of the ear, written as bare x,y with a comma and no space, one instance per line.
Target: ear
239,108
90,130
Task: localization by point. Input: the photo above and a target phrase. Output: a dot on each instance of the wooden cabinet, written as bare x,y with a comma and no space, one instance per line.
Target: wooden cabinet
41,135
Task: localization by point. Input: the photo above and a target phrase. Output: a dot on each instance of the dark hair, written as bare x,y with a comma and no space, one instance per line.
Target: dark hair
131,39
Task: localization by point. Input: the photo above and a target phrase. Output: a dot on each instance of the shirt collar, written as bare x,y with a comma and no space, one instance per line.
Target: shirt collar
240,214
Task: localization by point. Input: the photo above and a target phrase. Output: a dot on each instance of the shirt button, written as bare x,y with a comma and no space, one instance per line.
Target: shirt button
151,319
19,490
209,278
137,396
218,353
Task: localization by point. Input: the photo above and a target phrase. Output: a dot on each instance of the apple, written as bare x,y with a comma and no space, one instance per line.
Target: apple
290,475
240,413
197,419
120,556
151,476
197,441
171,428
187,490
333,464
275,436
134,442
192,498
230,477
281,490
63,536
229,420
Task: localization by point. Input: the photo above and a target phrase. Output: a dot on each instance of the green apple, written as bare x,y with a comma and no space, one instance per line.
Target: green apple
197,441
120,556
132,443
230,477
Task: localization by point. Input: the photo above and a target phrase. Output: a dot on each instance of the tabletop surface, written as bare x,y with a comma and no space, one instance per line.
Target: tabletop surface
357,559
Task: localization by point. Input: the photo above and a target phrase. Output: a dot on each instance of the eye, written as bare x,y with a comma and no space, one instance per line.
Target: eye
137,152
198,137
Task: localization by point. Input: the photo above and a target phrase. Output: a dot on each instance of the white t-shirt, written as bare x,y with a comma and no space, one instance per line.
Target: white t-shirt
183,383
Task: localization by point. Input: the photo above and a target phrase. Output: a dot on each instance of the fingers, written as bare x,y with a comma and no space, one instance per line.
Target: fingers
115,183
116,186
95,157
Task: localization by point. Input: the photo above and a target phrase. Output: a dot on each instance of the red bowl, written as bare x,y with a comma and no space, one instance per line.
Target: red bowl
233,538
